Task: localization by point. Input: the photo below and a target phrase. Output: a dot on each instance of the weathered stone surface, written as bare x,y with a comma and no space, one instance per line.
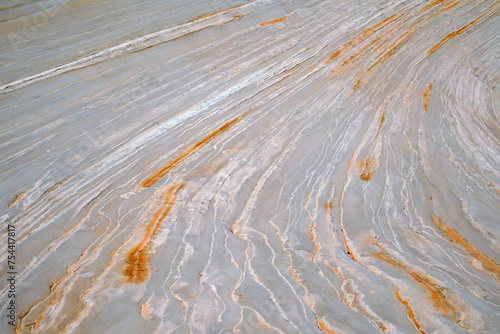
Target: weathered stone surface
251,166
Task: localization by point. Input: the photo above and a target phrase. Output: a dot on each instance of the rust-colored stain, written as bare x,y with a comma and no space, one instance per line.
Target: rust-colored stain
425,96
312,235
165,169
463,28
379,24
432,3
382,118
137,268
347,248
15,200
430,198
332,56
366,168
356,84
372,45
394,46
324,328
390,47
455,237
360,37
281,19
237,16
450,5
434,291
411,314
348,60
262,322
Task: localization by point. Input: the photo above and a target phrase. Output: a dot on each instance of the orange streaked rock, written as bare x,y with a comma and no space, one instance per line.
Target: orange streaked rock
137,259
281,19
324,327
411,314
15,200
366,168
356,84
360,37
465,27
434,291
488,264
332,56
165,169
425,96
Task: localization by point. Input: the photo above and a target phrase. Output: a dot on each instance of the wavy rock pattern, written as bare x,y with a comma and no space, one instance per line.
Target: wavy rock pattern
251,166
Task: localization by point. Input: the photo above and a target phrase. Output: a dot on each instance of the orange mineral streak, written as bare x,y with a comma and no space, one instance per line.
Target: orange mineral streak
435,2
312,235
411,315
165,169
324,328
366,168
358,54
465,27
137,259
487,263
347,248
262,322
15,200
451,4
297,279
391,47
360,37
430,4
332,56
281,19
439,300
425,96
356,84
382,118
394,46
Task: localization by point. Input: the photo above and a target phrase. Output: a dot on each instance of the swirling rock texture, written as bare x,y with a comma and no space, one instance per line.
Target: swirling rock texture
251,166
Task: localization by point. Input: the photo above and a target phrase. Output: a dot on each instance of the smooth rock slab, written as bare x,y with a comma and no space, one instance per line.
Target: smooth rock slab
250,166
